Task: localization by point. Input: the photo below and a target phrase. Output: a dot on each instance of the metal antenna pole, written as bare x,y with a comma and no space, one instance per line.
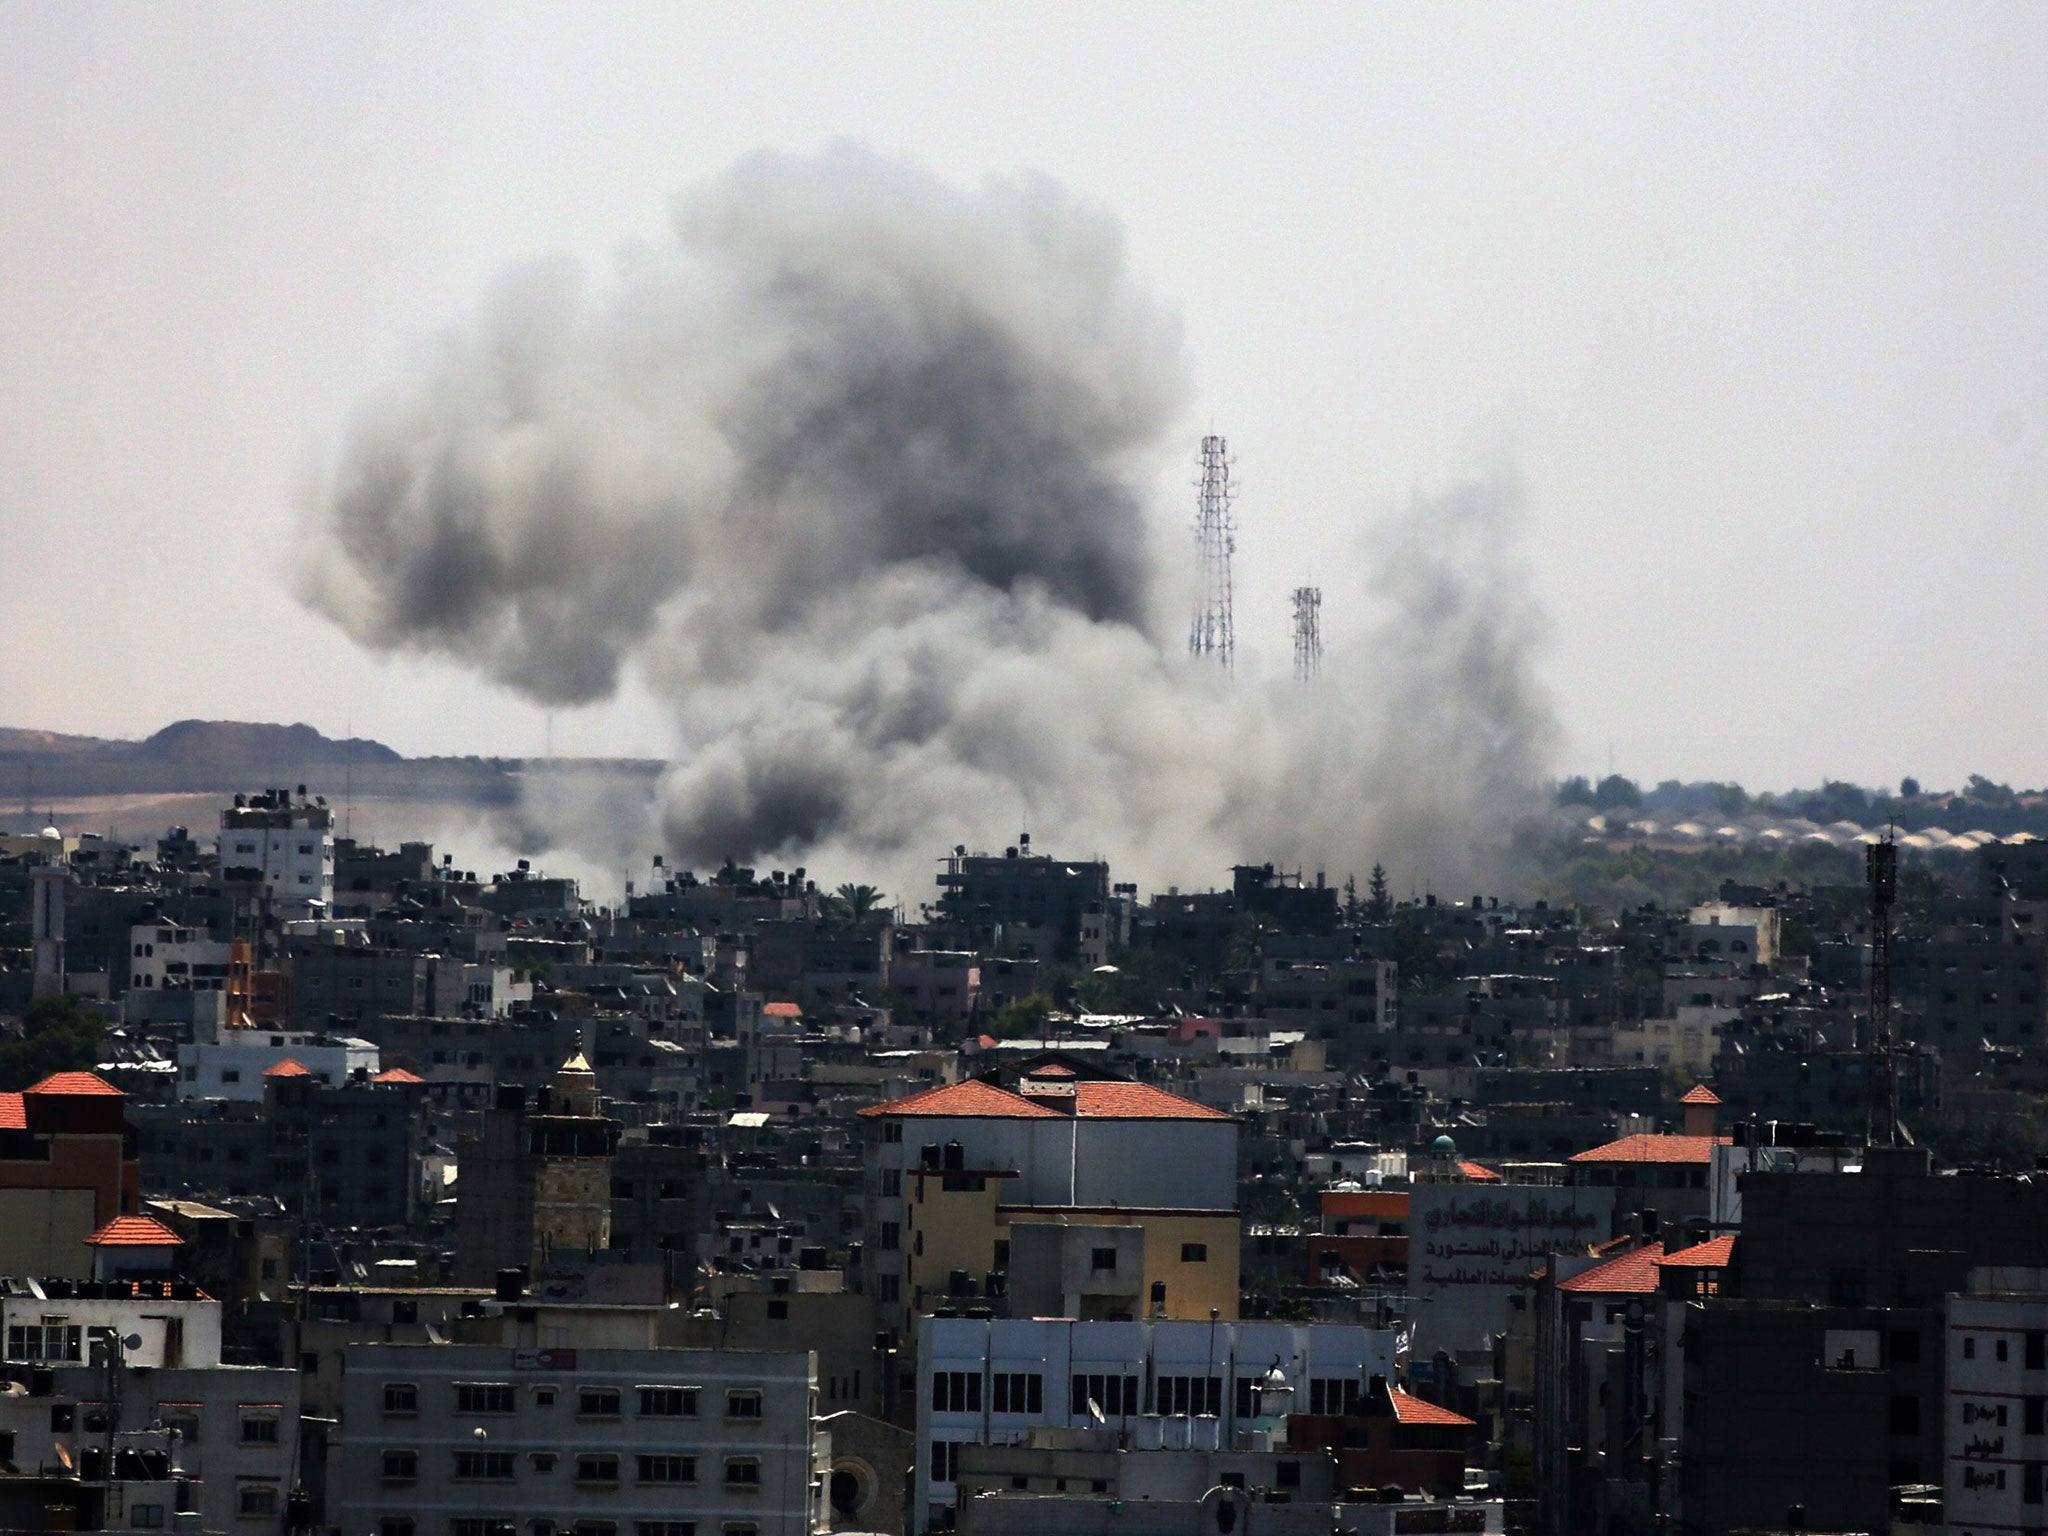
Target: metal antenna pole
1213,632
1308,633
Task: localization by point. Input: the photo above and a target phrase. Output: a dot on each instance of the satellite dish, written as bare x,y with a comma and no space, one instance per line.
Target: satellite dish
133,1341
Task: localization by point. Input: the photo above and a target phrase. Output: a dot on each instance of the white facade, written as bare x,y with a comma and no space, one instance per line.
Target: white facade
164,956
232,1067
479,1440
289,844
991,1381
1995,1433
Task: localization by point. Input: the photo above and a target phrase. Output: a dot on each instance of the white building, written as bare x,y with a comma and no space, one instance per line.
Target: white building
1996,1430
235,1065
991,1381
167,957
236,1427
480,1440
286,844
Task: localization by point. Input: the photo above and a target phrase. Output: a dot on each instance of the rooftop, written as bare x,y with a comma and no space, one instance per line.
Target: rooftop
73,1084
1701,1094
288,1068
1652,1147
1093,1100
1633,1274
135,1232
1413,1410
1714,1253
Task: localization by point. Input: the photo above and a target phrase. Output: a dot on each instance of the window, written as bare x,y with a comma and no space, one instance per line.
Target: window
664,1528
1905,1347
742,1471
597,1402
184,1421
401,1466
255,1500
542,1462
1999,1349
892,1130
668,1402
746,1404
595,1528
482,1525
892,1183
1018,1392
1287,1475
956,1391
1335,1395
146,1517
892,1237
401,1397
483,1466
1113,1396
666,1469
1102,1258
1194,1253
945,1462
599,1467
395,1525
1189,1394
778,1310
44,1341
1969,1346
259,1428
2036,1420
2037,1350
740,1528
483,1397
1905,1414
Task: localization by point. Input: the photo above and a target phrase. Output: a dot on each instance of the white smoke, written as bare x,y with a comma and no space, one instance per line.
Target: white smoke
849,472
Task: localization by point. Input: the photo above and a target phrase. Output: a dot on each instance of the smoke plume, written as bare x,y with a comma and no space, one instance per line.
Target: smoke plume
850,473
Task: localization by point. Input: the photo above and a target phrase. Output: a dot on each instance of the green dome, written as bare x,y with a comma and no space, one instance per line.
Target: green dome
1444,1144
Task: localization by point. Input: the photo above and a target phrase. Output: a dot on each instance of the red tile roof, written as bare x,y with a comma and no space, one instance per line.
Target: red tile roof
1712,1254
1413,1410
1701,1095
1633,1274
1650,1147
1478,1173
782,1010
1138,1101
1092,1101
135,1232
13,1112
397,1075
76,1083
1051,1069
288,1068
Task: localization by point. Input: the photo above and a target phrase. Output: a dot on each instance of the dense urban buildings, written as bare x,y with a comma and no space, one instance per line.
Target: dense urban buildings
347,1190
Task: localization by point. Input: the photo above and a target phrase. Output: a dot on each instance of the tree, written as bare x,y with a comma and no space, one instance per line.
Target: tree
1576,790
1352,908
1379,906
1909,788
56,1036
858,900
1023,1019
1617,793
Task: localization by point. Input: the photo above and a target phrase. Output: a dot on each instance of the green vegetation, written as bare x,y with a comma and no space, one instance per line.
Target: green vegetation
56,1036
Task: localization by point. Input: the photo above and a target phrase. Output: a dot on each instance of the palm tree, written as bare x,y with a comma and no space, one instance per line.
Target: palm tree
857,901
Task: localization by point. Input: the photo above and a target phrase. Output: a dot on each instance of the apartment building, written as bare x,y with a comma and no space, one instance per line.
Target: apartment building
481,1440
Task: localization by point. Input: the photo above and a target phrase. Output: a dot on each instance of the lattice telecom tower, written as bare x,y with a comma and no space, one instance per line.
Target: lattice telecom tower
1308,633
1213,632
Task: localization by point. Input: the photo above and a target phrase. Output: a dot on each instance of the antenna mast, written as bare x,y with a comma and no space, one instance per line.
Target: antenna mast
1308,633
1213,632
1881,867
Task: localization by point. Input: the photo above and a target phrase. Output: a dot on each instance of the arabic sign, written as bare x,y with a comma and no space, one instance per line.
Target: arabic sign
1471,1246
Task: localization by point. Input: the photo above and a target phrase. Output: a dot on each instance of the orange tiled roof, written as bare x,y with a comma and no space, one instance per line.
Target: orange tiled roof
1479,1173
1052,1069
782,1010
76,1083
1633,1274
135,1232
1413,1410
288,1068
1092,1101
1712,1254
13,1112
1651,1147
1701,1095
397,1075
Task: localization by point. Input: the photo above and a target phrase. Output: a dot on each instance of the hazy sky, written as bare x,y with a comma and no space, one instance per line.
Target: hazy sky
1752,296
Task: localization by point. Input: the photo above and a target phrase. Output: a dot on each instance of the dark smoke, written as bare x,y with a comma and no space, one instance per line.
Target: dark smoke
850,473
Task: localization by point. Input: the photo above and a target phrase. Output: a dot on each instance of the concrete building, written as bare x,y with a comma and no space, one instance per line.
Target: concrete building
1206,1384
164,956
941,1162
1023,890
65,1172
282,843
1995,1424
455,1439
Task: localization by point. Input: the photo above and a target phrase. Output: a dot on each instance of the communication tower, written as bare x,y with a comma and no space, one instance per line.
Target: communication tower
1213,633
1308,633
1881,868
